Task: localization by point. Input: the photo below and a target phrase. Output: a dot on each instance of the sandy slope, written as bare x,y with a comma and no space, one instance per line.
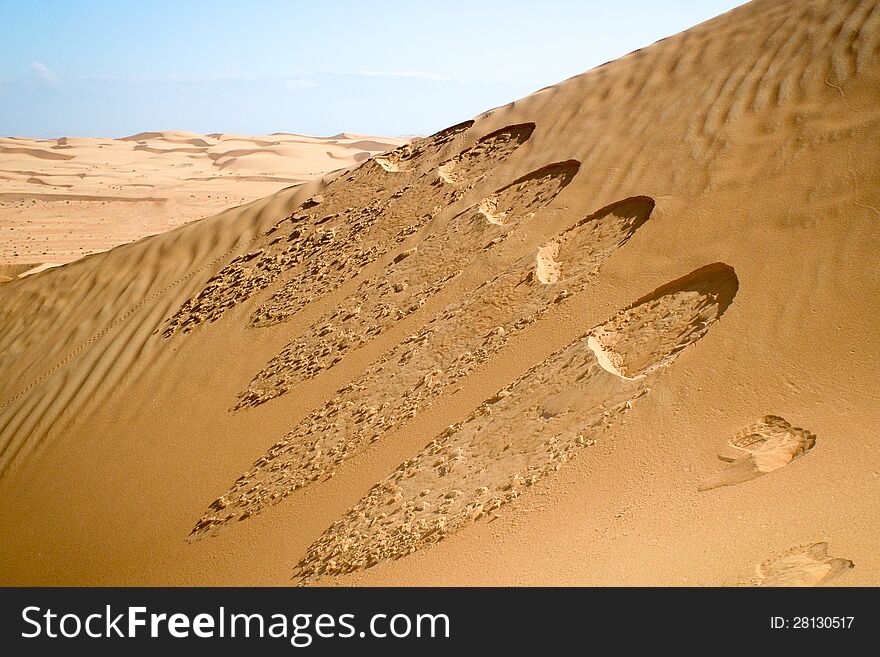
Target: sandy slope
511,353
64,198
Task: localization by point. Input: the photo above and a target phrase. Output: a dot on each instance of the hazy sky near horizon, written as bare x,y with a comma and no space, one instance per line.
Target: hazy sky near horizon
80,67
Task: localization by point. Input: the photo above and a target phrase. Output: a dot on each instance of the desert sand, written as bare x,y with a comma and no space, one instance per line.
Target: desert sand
61,199
622,331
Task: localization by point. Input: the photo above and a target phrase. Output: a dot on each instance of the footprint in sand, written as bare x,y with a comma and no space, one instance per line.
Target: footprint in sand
758,449
474,163
402,157
526,431
804,565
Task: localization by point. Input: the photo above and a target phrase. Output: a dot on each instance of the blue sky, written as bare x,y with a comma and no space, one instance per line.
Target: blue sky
115,68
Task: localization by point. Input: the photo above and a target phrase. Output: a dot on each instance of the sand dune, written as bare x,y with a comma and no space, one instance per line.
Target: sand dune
508,353
59,198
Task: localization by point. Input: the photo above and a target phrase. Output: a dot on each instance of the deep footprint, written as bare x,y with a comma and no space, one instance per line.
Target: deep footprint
407,283
804,565
525,431
402,157
419,369
758,449
474,163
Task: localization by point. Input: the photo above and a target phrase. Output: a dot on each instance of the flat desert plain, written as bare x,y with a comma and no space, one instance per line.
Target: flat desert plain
61,199
622,331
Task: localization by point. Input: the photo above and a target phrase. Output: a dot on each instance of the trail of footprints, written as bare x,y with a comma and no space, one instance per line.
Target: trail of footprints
525,431
421,367
466,473
522,433
407,283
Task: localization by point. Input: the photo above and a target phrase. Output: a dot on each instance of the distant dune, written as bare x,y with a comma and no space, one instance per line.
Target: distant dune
60,198
623,331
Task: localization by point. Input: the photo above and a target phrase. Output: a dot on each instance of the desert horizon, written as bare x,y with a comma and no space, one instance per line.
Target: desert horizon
64,198
621,331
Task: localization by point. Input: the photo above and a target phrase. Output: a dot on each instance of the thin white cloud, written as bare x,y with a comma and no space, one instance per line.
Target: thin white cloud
405,74
43,72
297,84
